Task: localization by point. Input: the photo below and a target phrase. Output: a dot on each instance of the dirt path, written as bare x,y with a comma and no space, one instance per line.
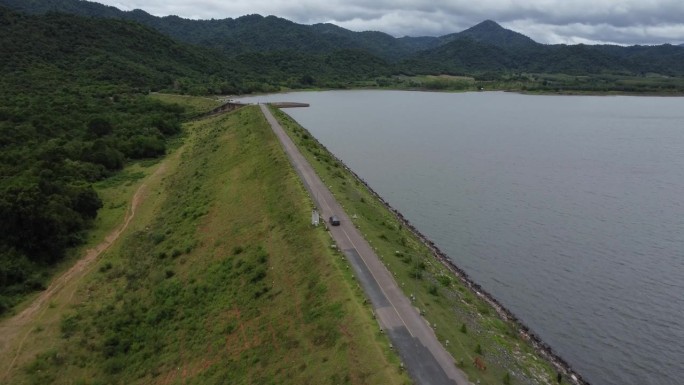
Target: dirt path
13,333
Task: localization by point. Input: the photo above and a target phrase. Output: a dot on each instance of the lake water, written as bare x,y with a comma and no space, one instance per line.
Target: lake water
568,209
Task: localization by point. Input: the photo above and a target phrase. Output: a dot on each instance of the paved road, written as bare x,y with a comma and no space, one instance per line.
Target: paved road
424,357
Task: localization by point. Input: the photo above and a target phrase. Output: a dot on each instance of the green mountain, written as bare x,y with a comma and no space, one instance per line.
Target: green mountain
663,59
377,43
489,32
462,56
102,51
485,48
246,34
420,43
488,47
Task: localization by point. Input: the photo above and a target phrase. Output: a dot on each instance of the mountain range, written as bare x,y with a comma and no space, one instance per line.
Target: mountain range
482,49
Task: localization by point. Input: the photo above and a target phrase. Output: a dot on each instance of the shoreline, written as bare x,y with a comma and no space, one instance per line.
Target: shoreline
568,92
542,348
592,93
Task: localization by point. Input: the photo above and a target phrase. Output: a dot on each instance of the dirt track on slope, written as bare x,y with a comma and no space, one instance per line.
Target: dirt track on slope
13,332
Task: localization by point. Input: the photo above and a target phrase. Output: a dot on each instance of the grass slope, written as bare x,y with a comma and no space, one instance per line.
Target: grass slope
220,280
472,327
192,105
21,340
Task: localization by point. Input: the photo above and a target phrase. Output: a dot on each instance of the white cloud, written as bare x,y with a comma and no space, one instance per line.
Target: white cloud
403,23
547,21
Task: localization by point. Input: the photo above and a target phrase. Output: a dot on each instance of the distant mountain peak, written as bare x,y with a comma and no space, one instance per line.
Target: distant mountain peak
487,24
491,32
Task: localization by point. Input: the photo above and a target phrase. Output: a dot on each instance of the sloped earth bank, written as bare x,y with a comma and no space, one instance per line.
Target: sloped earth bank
219,279
15,331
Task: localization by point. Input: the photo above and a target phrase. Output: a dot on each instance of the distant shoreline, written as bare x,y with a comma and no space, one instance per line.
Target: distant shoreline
521,92
607,93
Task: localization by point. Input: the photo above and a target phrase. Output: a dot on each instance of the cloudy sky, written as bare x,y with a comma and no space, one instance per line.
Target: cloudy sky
546,21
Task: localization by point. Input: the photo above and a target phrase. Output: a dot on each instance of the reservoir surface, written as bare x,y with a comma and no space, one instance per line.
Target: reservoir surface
568,209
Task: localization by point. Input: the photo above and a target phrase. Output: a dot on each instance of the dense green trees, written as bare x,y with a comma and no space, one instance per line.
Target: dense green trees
483,48
72,112
49,158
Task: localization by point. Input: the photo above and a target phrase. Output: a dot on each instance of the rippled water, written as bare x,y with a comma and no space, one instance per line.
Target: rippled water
568,209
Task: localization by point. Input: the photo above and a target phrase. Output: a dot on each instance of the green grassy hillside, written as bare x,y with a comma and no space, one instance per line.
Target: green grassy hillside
222,280
73,112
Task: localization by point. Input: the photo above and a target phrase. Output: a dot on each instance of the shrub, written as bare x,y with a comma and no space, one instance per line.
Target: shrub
105,267
68,325
444,280
158,238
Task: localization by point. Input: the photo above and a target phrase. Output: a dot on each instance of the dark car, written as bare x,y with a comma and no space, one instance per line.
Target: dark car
334,220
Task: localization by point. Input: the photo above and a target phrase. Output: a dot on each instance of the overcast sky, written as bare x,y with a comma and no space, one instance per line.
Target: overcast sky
546,21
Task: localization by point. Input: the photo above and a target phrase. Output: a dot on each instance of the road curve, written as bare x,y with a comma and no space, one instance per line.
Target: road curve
424,357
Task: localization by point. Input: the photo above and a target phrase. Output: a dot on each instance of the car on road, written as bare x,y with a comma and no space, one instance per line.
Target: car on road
334,220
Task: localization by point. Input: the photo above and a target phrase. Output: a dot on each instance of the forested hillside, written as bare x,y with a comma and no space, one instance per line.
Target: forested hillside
485,50
246,34
489,32
490,48
72,111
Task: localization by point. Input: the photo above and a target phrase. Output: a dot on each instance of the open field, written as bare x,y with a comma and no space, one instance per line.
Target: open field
472,327
218,279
